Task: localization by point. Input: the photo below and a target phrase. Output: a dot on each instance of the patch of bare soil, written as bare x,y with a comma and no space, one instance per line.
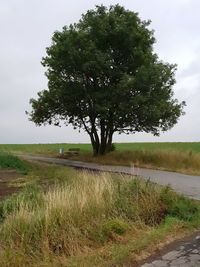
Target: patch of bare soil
7,176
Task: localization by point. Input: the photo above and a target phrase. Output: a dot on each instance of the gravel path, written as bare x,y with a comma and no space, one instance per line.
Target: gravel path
185,255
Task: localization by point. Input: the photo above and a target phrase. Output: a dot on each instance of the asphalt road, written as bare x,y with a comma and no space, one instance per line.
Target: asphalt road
182,253
185,184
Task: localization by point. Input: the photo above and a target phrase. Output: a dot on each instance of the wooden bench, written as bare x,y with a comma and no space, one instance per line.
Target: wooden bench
72,152
69,153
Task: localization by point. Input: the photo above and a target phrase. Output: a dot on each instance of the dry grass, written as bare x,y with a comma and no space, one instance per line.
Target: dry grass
89,220
177,161
62,221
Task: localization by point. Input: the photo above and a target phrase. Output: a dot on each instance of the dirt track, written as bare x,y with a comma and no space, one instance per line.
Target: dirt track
7,176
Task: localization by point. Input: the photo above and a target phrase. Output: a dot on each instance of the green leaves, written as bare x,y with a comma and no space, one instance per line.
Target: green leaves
103,69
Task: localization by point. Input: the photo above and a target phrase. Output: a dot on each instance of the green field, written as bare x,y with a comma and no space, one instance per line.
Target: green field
179,146
41,148
53,148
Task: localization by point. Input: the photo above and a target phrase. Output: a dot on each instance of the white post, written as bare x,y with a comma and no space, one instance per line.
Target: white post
61,151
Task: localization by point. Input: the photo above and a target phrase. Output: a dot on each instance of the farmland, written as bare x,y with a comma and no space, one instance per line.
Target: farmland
178,157
53,148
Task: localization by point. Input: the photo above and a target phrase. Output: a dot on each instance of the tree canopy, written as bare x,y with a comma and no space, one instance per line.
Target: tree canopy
104,77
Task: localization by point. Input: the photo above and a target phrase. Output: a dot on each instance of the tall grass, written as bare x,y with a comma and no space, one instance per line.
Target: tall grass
185,162
63,220
83,214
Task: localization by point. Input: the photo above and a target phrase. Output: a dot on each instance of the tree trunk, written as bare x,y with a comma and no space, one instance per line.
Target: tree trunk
102,148
96,148
109,143
95,144
103,144
94,138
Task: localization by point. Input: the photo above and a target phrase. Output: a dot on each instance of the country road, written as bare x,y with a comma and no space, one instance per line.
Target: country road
185,184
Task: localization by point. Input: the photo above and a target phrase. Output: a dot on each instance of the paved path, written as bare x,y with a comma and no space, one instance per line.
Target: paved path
185,253
186,184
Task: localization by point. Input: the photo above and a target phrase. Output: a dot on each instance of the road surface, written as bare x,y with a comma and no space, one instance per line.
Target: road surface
188,185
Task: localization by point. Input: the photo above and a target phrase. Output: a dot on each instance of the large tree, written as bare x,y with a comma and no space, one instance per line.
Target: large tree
104,77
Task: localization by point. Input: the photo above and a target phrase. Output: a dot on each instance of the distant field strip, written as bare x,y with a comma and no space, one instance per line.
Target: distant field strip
49,148
178,157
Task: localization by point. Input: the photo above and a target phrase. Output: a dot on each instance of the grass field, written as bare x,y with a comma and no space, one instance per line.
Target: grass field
178,146
63,217
53,148
178,157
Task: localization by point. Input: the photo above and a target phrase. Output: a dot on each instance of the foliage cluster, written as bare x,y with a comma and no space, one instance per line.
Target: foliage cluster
103,76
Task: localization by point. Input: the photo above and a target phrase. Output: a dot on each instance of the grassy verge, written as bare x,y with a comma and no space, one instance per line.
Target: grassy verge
177,161
8,161
68,218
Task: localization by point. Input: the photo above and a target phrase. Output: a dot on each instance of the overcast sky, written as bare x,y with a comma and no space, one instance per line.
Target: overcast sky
26,29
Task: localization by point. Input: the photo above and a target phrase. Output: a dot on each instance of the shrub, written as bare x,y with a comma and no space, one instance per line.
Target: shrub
114,226
112,148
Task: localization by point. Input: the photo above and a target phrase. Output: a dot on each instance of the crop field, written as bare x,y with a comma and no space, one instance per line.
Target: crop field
41,148
58,216
53,148
178,146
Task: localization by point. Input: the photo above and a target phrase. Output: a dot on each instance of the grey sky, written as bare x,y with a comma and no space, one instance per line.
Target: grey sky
26,30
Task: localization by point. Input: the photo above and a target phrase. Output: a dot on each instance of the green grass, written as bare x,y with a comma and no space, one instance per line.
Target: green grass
42,148
176,146
8,161
54,148
63,217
